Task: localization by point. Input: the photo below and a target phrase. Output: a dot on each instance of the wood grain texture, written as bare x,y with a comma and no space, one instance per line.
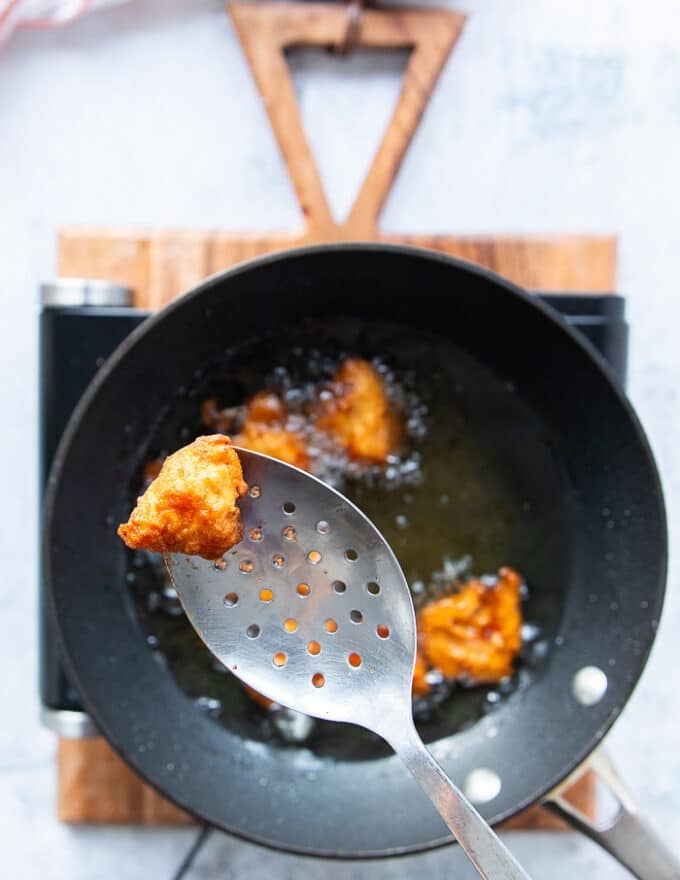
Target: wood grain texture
265,31
94,785
160,265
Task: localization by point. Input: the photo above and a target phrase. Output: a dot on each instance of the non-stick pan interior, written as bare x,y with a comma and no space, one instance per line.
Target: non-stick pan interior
564,442
478,485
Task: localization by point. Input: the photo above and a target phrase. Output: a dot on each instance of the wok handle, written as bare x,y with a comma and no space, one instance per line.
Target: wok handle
484,849
628,837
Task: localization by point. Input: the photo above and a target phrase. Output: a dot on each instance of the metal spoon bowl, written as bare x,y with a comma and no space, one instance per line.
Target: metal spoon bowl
312,610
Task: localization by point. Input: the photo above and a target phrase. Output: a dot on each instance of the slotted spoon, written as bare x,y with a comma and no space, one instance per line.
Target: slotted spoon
313,610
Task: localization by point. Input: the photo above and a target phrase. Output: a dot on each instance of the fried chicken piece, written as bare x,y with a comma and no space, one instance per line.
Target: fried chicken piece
264,430
191,505
474,634
266,408
278,442
359,414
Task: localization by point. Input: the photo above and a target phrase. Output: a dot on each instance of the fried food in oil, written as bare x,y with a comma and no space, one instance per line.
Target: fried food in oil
266,408
473,635
278,442
359,414
264,431
191,505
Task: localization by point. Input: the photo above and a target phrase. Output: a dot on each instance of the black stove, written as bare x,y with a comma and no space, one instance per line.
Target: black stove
81,323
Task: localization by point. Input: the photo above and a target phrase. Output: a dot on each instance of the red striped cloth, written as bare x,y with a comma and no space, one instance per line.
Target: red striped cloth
39,14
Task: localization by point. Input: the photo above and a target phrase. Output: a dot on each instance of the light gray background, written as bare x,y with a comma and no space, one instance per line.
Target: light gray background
550,117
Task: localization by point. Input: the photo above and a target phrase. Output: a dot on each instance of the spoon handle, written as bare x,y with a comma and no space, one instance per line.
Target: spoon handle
484,848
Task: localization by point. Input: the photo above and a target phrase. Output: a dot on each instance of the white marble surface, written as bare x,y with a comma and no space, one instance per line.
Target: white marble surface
561,116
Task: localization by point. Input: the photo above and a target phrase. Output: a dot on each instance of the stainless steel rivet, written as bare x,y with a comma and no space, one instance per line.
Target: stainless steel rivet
589,685
482,785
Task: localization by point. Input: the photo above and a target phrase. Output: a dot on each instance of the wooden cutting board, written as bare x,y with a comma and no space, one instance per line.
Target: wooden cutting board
93,784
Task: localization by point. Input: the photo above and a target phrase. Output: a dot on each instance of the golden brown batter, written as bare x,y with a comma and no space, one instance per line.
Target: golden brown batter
190,507
264,431
359,414
472,635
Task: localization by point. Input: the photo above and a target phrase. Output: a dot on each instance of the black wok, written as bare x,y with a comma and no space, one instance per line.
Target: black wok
608,575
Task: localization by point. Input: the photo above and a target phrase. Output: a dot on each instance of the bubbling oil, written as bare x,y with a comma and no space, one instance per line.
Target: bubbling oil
476,485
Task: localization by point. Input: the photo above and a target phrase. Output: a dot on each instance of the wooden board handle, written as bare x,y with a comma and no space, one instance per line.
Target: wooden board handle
265,31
